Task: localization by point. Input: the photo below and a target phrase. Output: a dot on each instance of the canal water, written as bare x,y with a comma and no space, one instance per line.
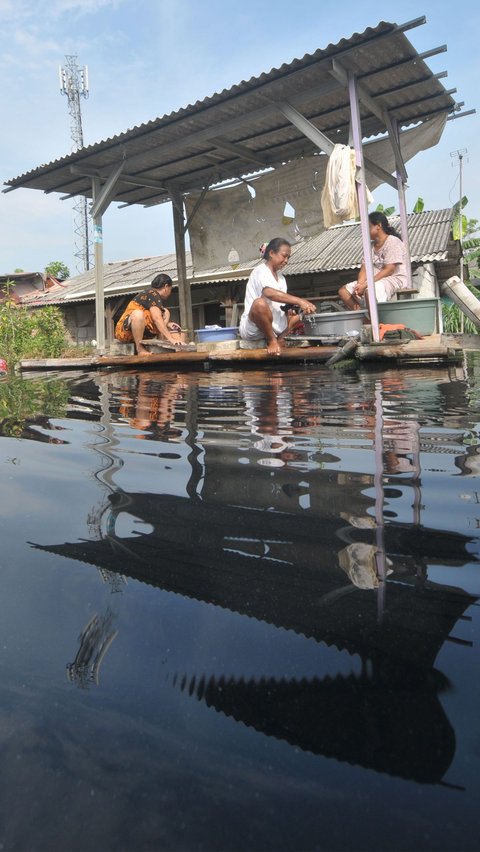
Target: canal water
240,610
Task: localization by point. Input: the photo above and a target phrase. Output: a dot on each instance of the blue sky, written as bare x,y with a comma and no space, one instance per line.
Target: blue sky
149,57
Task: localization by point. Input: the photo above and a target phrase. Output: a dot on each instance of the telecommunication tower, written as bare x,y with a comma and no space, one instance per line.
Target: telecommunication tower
74,84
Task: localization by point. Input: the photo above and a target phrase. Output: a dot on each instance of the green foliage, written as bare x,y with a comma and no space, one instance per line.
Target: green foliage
387,211
24,333
58,270
454,321
391,211
22,400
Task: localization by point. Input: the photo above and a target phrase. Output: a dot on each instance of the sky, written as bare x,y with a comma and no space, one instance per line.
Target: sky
147,58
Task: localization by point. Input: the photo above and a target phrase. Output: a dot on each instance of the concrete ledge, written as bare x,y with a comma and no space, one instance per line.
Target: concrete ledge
117,348
220,346
261,343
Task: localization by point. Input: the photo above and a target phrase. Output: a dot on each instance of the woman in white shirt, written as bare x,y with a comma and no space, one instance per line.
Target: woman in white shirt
266,291
389,266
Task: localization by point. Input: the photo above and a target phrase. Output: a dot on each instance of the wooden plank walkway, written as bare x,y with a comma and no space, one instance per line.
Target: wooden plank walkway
312,353
436,347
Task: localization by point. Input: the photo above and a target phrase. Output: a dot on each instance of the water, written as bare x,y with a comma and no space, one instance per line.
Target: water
239,610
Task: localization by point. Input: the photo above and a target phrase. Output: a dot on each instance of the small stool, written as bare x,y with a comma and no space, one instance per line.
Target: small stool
406,294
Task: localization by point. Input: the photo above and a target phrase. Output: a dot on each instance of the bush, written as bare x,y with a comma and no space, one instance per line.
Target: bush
30,333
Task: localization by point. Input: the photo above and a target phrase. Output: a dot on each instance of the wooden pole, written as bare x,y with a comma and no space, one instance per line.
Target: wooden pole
184,291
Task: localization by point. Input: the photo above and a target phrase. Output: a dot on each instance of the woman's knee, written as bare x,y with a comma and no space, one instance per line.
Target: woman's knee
137,314
260,307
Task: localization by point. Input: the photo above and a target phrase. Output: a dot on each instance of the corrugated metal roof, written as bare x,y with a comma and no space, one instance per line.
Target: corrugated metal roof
340,247
192,147
334,250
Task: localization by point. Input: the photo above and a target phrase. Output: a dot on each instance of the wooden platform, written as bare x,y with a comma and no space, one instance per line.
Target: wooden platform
436,347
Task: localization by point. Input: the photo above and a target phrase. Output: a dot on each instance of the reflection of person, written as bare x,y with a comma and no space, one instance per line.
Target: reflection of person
153,406
359,561
266,292
269,412
389,266
146,316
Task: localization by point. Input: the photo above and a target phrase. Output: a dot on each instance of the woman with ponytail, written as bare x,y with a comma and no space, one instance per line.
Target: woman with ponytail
389,266
266,292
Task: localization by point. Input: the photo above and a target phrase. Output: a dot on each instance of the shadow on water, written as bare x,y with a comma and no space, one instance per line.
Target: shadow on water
306,503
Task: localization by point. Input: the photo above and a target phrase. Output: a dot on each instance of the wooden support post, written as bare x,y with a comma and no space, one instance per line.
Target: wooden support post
109,324
184,291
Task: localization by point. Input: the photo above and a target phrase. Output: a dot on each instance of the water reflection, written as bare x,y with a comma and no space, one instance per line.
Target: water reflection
95,640
383,721
298,501
26,408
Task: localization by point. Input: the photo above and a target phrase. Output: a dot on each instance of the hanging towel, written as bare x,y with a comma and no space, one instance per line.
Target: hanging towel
339,195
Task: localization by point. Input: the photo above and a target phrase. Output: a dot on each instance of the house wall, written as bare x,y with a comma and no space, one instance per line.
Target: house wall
213,303
80,321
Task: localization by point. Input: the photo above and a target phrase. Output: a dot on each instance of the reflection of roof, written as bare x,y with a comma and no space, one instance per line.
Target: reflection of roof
390,724
295,582
336,249
242,129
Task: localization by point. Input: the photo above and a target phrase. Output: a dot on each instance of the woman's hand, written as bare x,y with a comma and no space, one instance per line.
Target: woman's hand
306,306
360,289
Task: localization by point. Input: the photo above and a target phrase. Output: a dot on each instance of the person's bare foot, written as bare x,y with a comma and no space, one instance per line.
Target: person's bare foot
142,351
273,347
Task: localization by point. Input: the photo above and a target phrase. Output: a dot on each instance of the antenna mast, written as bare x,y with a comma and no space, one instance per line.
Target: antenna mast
74,84
459,155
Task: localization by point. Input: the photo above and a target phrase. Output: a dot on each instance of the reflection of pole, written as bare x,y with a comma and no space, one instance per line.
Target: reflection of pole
379,496
417,493
95,640
191,422
113,463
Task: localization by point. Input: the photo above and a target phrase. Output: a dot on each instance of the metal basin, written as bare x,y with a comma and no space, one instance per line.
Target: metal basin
338,323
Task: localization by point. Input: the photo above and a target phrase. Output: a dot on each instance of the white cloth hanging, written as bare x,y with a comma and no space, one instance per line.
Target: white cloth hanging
339,195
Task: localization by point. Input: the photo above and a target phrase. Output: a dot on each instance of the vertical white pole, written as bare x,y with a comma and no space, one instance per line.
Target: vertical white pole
460,234
362,203
403,210
99,290
460,228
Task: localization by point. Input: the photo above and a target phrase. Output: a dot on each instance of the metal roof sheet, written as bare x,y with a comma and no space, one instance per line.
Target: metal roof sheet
339,248
242,129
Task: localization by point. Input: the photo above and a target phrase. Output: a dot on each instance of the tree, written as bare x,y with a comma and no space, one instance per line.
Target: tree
58,270
465,229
